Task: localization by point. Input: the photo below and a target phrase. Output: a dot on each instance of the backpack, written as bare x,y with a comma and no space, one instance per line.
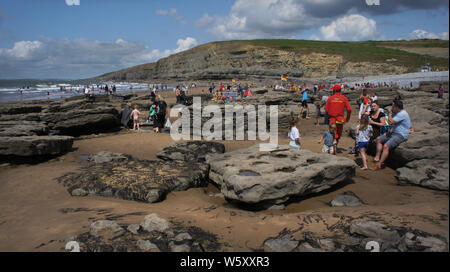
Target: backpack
161,108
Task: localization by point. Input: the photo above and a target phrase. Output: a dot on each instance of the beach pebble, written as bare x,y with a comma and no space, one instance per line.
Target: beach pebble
183,237
107,228
283,244
374,229
153,222
348,199
133,228
146,245
79,192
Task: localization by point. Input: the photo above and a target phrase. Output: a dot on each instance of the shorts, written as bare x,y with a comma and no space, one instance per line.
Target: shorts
393,140
339,128
328,149
363,145
294,144
304,103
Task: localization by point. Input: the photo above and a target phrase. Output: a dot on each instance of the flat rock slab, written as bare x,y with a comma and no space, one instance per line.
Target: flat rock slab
147,181
22,128
28,146
81,117
194,151
250,176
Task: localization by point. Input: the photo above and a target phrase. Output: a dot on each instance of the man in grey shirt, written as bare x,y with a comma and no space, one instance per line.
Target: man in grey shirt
398,135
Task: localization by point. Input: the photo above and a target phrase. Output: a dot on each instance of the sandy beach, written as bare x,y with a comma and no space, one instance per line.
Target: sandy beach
38,214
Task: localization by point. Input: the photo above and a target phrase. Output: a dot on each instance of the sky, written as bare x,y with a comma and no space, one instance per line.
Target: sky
72,39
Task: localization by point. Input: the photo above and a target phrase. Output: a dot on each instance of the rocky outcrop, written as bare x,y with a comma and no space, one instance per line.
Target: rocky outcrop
194,151
261,179
360,236
423,159
19,108
81,117
121,176
154,234
28,146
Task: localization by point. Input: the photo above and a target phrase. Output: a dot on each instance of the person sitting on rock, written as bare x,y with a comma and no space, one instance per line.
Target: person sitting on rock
294,134
377,119
398,134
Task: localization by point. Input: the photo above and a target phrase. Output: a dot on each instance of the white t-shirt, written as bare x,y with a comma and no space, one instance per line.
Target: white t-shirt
374,98
364,135
294,134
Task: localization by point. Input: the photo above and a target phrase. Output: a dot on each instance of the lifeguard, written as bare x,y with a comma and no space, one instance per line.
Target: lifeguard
335,107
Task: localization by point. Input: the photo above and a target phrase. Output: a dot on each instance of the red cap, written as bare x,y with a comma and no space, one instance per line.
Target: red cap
336,87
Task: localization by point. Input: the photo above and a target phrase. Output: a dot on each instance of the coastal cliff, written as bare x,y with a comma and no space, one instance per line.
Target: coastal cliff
272,58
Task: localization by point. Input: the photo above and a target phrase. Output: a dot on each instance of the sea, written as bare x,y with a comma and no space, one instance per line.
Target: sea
39,89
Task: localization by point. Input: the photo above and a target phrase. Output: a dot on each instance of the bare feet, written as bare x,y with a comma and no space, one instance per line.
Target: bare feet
364,168
376,168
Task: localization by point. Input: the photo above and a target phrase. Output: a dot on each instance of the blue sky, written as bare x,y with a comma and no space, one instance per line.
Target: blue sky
49,39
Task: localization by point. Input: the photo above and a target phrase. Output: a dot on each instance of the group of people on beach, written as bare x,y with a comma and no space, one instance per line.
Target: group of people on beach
157,114
385,131
221,95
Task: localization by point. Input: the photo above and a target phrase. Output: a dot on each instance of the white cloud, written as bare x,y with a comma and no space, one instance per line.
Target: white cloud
171,13
251,19
65,58
353,27
423,34
24,50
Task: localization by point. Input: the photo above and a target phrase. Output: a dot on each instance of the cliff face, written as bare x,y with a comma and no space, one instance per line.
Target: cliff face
226,60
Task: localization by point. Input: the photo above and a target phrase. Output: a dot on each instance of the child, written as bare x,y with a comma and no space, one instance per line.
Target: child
135,116
363,134
328,139
152,113
317,115
294,135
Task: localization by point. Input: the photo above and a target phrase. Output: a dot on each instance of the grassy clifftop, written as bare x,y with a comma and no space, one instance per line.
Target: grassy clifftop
371,51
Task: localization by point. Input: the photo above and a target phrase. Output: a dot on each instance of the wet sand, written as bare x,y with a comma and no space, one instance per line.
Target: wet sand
38,214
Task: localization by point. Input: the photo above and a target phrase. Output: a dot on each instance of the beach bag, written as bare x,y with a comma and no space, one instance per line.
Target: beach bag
386,127
168,124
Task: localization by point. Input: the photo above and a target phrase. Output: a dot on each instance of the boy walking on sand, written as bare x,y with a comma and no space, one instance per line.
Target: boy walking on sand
328,139
135,116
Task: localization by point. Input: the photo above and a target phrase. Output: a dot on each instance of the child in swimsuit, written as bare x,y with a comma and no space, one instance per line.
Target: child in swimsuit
135,116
